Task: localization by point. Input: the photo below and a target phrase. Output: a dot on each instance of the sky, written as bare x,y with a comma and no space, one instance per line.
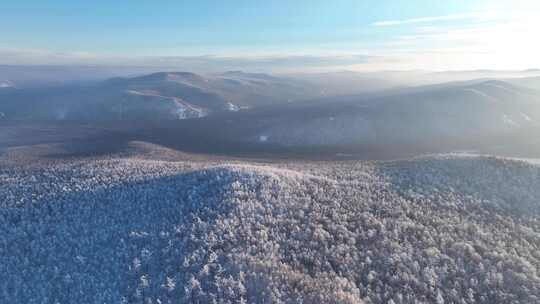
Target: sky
274,35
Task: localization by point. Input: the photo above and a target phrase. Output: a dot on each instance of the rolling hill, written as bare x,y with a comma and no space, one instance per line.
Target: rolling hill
431,230
158,96
465,111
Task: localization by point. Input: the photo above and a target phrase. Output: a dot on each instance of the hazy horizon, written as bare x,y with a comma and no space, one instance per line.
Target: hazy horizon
277,37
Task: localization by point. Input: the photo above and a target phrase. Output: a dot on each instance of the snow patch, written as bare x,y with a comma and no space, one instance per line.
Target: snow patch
507,120
232,107
526,117
6,84
509,90
251,171
482,94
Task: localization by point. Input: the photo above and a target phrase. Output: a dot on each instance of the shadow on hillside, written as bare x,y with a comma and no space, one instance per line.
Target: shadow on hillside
102,245
228,139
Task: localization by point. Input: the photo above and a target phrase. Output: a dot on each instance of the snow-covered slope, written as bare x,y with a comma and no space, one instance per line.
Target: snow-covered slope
157,96
469,111
436,230
6,84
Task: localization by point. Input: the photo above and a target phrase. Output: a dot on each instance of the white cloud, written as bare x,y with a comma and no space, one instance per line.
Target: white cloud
464,16
503,41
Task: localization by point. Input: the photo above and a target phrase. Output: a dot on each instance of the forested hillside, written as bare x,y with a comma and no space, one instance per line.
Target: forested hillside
431,230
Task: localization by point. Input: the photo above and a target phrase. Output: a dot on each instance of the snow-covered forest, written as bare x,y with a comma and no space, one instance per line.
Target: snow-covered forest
430,230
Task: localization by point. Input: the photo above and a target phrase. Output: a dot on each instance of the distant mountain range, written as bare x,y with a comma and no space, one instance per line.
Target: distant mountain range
293,111
480,109
354,82
34,76
163,95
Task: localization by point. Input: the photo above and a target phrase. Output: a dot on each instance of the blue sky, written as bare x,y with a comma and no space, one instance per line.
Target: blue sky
338,34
